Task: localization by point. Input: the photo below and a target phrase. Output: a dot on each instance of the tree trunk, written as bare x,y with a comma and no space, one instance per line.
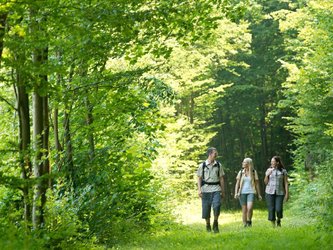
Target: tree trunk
41,151
263,134
24,143
69,163
69,148
56,138
192,105
3,18
242,143
89,122
40,121
38,164
46,183
58,146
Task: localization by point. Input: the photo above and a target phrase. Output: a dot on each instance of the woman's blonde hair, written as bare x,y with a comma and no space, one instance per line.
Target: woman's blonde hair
251,169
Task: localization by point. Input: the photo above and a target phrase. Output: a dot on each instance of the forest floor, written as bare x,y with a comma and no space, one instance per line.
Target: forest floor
295,233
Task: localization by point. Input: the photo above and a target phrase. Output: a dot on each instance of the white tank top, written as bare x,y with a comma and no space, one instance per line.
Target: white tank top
247,187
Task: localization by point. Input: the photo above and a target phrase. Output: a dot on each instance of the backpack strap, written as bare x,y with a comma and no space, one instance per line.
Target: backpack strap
203,170
218,171
241,173
203,174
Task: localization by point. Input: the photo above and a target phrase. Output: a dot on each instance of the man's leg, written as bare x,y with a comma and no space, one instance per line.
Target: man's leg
217,209
208,227
206,209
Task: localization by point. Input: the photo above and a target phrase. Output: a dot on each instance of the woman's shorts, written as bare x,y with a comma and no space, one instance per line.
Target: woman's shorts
245,198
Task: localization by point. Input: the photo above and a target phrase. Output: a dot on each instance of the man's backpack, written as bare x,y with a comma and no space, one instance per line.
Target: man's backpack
218,165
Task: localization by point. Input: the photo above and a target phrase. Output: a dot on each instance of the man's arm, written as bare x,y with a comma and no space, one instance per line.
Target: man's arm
222,186
199,186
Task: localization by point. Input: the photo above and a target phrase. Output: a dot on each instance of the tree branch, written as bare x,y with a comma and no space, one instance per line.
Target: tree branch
6,101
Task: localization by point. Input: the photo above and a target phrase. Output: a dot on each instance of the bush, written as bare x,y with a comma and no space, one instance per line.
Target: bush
314,199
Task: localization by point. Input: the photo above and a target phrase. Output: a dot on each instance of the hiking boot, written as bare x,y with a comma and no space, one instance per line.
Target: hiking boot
249,223
208,228
278,223
216,227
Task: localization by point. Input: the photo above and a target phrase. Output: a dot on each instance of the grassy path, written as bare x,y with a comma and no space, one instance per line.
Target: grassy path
295,233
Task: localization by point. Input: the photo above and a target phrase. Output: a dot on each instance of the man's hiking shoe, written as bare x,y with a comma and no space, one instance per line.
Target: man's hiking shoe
215,227
208,228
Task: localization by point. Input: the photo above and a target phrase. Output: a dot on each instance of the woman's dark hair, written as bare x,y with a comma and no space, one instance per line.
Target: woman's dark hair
279,162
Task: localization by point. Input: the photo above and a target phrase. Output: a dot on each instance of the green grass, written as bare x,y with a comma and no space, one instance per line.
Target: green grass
295,233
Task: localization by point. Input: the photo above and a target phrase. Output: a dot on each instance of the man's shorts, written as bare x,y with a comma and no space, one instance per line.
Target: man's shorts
210,200
245,198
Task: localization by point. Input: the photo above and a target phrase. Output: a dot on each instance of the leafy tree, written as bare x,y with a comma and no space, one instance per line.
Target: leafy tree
308,90
86,130
190,121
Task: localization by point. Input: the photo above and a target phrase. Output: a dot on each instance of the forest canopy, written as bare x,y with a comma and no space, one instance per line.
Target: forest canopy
108,107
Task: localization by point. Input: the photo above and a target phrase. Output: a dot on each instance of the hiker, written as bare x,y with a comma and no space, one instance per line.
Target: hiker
211,188
247,185
277,191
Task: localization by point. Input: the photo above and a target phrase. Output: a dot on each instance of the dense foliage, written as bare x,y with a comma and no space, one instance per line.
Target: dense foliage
79,133
308,90
107,107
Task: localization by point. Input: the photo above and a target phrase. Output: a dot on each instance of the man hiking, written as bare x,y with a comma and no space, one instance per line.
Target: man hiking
211,188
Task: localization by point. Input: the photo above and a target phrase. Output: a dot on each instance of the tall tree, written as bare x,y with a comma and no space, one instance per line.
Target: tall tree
252,125
59,52
191,122
308,90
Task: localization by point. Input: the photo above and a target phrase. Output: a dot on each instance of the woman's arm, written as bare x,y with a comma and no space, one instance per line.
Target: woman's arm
286,188
267,174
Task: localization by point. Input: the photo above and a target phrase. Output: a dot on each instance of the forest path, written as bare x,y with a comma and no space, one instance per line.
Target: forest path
190,233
